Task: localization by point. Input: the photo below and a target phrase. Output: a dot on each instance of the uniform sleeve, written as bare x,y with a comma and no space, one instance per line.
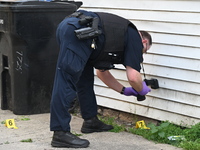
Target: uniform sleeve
133,49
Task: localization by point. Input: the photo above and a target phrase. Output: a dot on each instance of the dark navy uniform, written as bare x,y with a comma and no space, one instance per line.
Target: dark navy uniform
74,72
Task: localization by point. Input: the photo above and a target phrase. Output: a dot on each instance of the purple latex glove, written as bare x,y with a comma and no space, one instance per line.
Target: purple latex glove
129,91
145,89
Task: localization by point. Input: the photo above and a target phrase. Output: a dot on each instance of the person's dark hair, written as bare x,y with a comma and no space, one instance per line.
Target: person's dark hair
146,35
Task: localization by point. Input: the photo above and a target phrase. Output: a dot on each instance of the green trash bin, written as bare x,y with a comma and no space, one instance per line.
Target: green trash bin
28,53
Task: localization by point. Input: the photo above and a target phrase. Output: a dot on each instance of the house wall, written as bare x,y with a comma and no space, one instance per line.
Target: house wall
174,59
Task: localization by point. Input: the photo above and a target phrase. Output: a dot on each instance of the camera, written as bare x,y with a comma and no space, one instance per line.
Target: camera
153,83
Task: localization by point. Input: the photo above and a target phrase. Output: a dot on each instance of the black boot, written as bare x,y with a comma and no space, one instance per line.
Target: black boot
94,125
69,140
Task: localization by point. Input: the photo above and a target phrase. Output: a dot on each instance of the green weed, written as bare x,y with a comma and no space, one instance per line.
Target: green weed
186,138
27,140
191,145
192,136
192,133
3,122
23,118
73,132
7,142
189,137
111,121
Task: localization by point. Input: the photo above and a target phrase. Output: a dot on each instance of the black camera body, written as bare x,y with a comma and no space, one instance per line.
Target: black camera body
153,83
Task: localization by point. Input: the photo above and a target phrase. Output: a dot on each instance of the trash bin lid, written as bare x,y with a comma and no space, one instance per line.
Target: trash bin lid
41,6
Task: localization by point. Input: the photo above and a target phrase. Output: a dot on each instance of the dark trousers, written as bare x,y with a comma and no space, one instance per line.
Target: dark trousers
74,76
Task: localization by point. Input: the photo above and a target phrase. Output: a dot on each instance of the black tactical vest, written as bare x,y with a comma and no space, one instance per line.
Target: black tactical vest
114,27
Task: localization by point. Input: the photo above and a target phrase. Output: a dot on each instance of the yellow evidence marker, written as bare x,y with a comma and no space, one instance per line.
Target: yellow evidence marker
10,123
141,125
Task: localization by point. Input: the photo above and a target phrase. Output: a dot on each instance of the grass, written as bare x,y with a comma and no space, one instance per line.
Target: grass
23,118
73,132
27,140
165,132
111,121
3,122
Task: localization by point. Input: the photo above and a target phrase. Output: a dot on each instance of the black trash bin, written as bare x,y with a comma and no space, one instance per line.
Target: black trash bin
28,53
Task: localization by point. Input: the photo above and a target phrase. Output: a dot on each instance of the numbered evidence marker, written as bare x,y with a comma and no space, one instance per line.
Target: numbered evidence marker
10,123
141,125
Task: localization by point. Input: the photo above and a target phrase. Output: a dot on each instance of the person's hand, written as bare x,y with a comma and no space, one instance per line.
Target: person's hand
129,91
145,89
